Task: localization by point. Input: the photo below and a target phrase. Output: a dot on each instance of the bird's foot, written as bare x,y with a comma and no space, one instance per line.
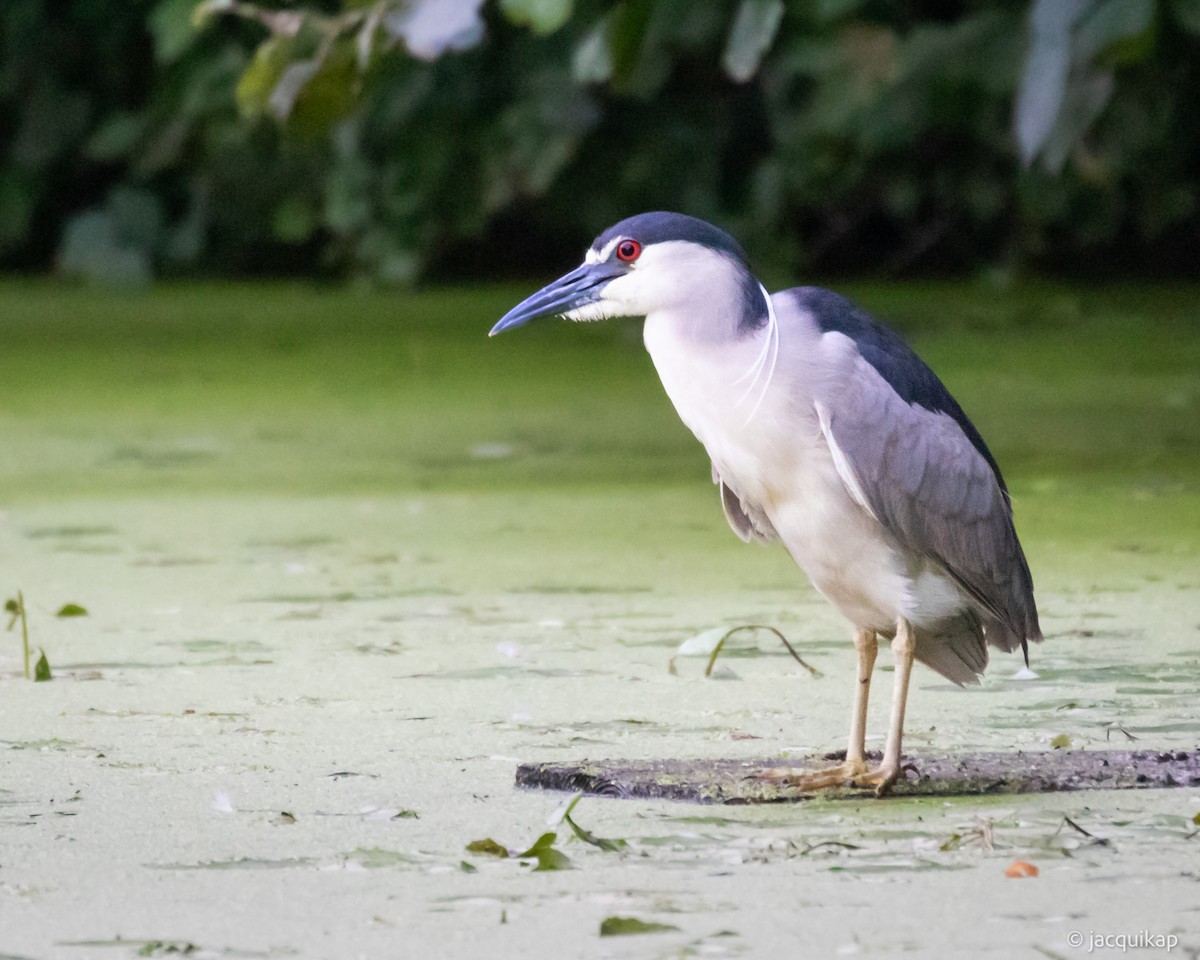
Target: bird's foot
881,778
845,774
850,774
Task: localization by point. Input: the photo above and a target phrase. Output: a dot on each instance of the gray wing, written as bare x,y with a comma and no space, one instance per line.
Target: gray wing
918,474
747,521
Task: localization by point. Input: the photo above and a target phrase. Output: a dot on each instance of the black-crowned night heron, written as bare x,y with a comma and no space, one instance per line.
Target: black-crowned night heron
828,433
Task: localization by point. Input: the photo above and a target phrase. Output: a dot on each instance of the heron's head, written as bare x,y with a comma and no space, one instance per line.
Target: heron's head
648,263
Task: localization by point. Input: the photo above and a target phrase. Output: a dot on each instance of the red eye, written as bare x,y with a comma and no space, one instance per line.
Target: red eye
628,251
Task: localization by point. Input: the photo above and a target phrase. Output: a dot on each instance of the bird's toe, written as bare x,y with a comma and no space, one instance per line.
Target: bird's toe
806,779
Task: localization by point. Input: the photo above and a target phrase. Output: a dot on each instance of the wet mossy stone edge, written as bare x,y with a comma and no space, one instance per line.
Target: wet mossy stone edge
969,774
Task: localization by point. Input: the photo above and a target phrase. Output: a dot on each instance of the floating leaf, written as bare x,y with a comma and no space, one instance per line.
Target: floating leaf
71,610
488,846
374,858
1019,869
167,948
548,858
621,926
41,670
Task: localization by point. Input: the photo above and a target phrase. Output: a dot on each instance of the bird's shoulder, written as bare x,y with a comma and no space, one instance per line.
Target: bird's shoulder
894,360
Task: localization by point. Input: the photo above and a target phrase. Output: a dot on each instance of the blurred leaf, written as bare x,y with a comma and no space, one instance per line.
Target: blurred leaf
703,643
138,218
626,31
1187,12
185,240
294,220
209,8
259,80
488,846
117,137
1060,742
829,10
1088,93
289,87
1116,31
563,815
324,96
541,16
41,670
91,250
71,610
16,208
172,27
622,926
592,62
365,44
1047,65
754,29
429,28
547,856
612,846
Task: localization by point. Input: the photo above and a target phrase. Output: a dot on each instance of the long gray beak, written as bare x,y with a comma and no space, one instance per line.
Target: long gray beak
578,288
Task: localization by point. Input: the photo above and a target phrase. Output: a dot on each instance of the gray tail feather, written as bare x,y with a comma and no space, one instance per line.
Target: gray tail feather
954,648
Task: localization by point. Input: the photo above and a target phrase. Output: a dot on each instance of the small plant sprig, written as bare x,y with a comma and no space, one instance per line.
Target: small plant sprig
16,610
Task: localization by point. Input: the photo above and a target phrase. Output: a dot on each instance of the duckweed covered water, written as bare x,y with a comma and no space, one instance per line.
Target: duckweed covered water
344,559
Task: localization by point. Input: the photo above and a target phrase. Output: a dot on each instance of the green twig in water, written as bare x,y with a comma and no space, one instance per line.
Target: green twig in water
757,626
612,846
16,610
1068,822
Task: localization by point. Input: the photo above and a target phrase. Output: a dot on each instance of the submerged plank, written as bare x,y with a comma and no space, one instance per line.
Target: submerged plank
732,781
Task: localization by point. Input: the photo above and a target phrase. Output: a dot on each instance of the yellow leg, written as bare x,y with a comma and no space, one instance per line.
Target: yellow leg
854,768
867,646
904,646
853,772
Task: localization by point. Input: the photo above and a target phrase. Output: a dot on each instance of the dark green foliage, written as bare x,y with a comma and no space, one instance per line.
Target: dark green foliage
335,137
